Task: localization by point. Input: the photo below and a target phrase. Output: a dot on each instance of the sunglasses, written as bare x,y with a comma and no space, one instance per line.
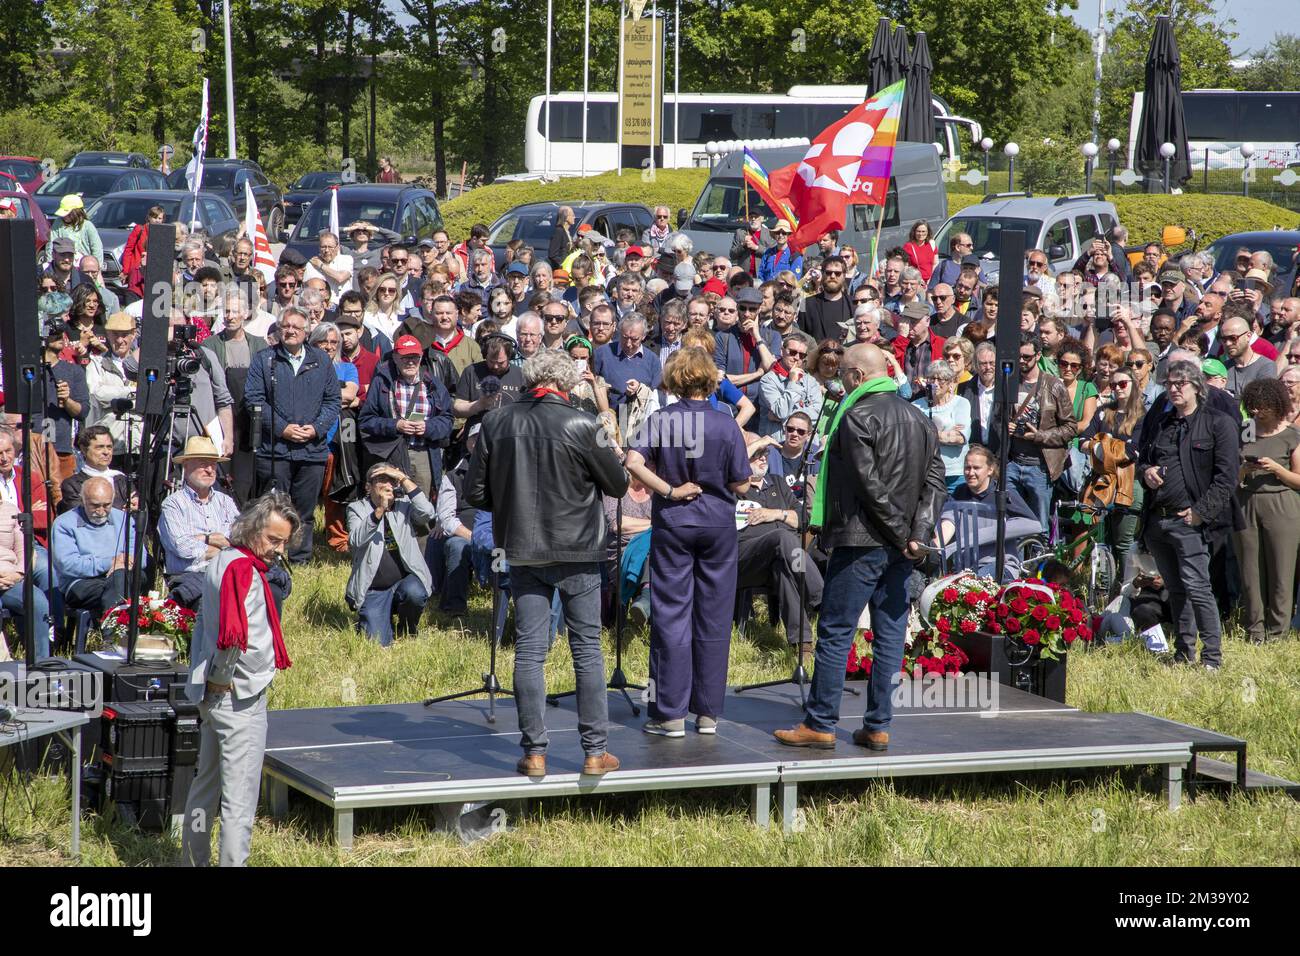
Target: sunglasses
832,351
789,430
1229,339
1293,357
786,285
288,284
1122,383
555,318
720,268
793,354
834,275
1062,363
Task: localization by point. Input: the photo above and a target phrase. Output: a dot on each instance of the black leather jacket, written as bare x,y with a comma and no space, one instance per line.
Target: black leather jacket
886,479
540,466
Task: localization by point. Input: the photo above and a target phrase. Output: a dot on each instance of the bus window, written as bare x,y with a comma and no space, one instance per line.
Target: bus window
702,123
1210,116
566,122
1267,118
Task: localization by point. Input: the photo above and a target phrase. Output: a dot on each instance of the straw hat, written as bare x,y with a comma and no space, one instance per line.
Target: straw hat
120,322
200,447
1261,279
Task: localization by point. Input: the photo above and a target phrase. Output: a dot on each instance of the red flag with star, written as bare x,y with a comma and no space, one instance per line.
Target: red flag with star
848,162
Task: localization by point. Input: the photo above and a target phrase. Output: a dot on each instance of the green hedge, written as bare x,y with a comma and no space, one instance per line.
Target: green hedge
1144,215
1211,216
674,188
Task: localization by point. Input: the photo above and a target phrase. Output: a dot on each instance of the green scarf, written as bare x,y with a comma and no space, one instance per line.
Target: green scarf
870,387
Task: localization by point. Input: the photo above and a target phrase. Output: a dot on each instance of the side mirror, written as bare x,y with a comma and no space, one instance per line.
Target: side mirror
1173,236
1056,252
682,216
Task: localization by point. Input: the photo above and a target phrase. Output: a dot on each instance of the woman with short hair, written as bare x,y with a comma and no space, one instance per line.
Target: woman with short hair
693,458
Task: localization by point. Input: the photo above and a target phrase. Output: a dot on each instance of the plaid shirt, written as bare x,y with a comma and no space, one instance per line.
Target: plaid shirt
411,397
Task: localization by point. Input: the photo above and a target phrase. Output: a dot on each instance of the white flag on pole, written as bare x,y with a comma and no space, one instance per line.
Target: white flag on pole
334,212
263,260
194,168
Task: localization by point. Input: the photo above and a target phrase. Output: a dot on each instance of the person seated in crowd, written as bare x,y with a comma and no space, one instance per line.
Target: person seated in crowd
1142,607
633,576
786,454
96,444
769,546
980,488
194,522
788,388
91,563
110,379
389,574
951,415
452,557
13,569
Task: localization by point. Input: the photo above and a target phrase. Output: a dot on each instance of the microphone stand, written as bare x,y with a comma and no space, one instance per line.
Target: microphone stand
47,372
25,522
800,675
618,680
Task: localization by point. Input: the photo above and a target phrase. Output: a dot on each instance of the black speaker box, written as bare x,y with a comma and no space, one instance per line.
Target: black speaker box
20,334
159,296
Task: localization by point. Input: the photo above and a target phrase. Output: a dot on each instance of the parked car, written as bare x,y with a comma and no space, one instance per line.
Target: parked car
226,178
300,193
404,211
116,214
25,169
1061,226
101,158
91,182
1281,244
27,209
915,191
535,222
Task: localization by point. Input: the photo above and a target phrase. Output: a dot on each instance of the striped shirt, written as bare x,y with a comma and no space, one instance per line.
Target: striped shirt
186,519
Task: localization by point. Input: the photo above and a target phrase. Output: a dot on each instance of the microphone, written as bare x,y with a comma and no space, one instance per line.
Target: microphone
835,390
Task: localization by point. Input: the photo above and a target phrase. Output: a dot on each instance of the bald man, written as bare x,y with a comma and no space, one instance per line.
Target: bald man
879,493
1244,363
89,547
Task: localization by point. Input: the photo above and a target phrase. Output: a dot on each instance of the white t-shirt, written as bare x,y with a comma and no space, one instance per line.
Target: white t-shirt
341,263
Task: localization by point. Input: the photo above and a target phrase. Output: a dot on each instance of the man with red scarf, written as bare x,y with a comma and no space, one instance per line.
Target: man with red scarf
236,650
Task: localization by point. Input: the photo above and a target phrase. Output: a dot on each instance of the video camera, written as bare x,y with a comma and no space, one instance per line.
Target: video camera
183,361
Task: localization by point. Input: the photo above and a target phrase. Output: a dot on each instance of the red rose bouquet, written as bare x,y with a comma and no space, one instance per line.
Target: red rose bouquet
156,616
929,652
1043,616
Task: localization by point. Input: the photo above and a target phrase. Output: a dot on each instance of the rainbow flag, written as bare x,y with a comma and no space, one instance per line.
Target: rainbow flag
756,176
882,112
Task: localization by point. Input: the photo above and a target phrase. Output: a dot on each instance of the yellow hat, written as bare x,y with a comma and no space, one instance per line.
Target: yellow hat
67,204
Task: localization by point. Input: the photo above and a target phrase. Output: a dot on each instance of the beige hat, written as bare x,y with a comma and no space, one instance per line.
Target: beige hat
120,322
782,225
200,447
1261,278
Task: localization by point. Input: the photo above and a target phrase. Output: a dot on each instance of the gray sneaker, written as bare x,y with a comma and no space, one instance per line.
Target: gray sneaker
666,728
706,725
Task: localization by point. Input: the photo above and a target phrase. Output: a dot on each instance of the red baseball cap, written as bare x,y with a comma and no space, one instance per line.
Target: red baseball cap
634,251
408,345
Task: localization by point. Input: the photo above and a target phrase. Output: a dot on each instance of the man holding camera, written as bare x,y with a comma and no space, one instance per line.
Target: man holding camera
295,386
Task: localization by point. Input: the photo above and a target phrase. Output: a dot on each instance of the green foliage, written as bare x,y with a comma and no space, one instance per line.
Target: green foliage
24,35
674,188
1276,67
1049,166
24,133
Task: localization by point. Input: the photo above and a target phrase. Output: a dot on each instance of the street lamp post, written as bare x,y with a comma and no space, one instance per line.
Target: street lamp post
1247,151
1112,147
986,144
1089,151
1012,150
1167,151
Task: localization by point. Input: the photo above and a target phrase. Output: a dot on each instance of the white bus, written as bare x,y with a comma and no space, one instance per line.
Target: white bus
804,111
1220,121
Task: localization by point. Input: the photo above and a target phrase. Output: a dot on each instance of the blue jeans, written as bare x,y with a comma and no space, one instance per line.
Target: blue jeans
455,565
578,589
1034,486
406,598
1182,555
855,578
12,601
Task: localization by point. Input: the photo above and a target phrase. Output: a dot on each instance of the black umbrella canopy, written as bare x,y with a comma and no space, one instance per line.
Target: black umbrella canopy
1162,110
916,124
899,59
878,58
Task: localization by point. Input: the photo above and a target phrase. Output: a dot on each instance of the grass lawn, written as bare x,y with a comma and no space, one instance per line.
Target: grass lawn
1065,817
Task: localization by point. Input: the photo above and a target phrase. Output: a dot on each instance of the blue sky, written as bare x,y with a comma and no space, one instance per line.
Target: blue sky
1257,21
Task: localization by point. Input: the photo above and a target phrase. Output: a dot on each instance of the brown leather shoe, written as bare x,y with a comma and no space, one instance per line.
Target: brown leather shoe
532,765
804,736
597,765
873,739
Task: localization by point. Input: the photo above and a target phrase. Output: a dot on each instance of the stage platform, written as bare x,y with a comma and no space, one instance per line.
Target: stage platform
387,755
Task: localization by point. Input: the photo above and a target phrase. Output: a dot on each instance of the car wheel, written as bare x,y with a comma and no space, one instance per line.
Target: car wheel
275,225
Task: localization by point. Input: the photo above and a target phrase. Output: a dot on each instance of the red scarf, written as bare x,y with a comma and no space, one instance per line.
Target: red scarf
780,369
757,236
542,390
232,629
455,341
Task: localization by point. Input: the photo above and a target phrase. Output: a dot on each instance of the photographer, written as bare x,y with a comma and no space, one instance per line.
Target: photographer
110,380
389,573
297,389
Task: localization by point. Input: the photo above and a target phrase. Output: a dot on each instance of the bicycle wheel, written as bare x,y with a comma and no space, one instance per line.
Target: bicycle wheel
1103,578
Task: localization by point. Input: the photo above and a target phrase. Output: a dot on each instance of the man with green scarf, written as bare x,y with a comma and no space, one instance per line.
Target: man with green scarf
880,490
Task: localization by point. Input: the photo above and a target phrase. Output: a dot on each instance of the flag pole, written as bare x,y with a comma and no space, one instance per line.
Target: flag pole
230,84
618,160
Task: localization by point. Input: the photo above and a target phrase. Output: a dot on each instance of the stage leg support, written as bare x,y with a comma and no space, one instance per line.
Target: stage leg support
277,797
787,806
343,829
1174,785
760,806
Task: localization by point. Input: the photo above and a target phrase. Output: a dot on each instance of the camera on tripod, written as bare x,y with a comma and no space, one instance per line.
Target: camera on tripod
183,361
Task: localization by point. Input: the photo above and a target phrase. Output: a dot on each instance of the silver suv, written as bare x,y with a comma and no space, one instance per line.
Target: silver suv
1061,226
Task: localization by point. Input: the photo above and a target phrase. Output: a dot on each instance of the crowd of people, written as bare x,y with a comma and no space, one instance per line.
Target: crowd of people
357,380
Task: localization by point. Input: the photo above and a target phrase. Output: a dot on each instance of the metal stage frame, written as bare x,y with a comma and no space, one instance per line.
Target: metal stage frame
391,755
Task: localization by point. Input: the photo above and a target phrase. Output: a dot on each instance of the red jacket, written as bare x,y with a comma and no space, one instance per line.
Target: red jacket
900,347
41,513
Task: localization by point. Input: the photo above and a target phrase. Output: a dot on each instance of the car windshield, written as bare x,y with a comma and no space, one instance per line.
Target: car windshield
123,212
216,179
377,212
533,226
722,206
19,169
71,181
986,232
317,181
1225,252
99,159
24,206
